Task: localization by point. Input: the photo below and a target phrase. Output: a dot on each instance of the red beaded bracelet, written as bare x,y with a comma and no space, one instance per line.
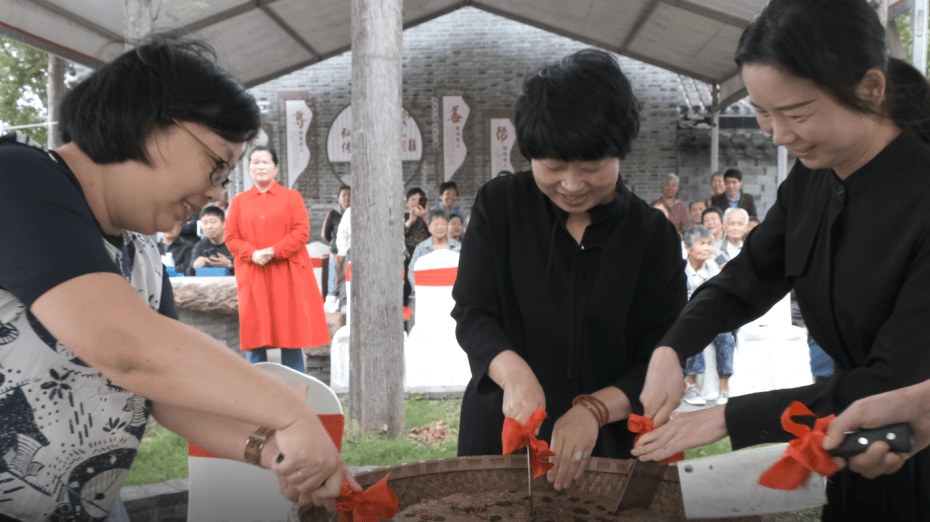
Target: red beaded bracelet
595,406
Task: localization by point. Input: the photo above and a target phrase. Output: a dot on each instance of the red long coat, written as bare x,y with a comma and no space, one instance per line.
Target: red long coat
280,305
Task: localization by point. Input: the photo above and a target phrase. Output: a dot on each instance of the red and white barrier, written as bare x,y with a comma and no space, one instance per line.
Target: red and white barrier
319,255
434,361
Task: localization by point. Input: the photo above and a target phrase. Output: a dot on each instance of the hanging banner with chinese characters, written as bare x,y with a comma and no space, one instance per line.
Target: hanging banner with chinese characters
454,115
339,140
503,134
298,116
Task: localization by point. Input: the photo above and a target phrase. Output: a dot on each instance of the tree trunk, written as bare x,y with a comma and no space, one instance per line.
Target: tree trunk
137,21
55,91
376,342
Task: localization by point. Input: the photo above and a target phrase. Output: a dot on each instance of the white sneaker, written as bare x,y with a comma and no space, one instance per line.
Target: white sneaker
331,305
693,396
723,398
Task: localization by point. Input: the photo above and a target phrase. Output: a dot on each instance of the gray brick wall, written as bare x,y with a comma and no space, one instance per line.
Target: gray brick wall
483,58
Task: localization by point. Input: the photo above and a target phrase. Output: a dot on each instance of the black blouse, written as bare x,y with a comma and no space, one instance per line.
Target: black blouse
857,253
583,317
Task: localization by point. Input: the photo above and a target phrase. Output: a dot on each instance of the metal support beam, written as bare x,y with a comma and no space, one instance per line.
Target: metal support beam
782,166
707,12
288,29
715,133
640,22
919,35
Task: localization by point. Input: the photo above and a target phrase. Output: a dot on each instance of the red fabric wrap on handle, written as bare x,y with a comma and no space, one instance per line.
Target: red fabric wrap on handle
316,262
643,425
334,424
516,436
803,455
368,505
436,276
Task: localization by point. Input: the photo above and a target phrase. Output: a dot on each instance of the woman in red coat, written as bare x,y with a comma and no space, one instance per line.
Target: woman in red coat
279,302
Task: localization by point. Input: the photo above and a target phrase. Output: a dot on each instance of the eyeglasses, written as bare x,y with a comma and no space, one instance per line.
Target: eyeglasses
219,176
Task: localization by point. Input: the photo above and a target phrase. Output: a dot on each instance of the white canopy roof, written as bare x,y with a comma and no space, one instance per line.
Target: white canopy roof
260,40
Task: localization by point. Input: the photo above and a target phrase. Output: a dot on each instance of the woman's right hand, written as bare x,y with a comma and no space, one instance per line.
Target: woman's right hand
311,469
664,386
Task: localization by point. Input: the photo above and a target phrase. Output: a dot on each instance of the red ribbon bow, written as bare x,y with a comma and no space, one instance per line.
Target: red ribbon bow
643,425
516,436
803,455
366,506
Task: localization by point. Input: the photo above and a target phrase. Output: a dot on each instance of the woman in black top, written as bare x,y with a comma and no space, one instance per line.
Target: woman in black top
850,232
566,279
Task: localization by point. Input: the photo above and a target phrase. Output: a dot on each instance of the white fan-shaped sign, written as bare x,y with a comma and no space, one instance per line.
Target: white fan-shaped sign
339,139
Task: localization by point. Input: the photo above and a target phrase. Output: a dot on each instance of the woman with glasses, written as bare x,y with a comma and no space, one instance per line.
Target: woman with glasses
89,341
267,230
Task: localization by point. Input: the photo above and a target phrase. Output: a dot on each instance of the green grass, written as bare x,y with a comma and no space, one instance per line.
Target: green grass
359,449
162,456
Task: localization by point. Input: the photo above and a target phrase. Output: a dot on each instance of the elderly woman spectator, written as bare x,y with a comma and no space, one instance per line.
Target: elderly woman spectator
696,212
676,209
280,305
439,239
699,243
91,342
735,224
712,218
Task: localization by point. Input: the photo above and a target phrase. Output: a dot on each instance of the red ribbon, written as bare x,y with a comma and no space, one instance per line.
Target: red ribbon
803,455
516,436
366,506
643,425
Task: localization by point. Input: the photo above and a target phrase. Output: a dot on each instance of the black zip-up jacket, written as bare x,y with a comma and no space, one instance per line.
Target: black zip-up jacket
584,317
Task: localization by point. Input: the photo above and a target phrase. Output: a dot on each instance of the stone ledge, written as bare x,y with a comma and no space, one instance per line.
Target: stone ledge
206,294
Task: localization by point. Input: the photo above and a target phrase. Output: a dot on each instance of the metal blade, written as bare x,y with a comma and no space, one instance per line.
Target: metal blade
727,485
529,484
642,485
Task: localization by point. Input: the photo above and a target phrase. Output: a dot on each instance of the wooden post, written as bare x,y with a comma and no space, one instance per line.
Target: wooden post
55,91
376,342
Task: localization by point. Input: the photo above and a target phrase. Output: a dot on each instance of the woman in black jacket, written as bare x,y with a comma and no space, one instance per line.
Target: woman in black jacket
566,279
849,232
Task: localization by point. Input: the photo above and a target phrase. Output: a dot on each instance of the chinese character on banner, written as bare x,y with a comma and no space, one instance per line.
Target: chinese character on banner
455,118
455,114
298,118
412,146
503,135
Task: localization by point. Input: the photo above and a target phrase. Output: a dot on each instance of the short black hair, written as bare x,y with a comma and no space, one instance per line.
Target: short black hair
344,187
579,108
415,190
213,210
691,205
733,173
267,148
110,114
713,208
443,187
436,213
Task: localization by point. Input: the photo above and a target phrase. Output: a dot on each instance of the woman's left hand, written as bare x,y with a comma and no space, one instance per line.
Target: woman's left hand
683,431
573,438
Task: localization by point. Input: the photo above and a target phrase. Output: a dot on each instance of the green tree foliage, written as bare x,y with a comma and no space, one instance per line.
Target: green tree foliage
23,80
904,29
